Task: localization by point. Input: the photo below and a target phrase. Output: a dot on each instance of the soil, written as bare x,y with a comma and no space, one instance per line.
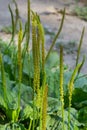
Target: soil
50,14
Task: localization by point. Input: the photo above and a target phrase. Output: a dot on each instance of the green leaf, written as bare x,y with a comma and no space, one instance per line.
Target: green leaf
7,60
2,102
76,128
79,98
26,93
80,88
82,115
2,127
27,112
7,29
53,105
10,105
53,60
53,82
81,12
11,98
28,65
54,121
13,126
81,83
53,79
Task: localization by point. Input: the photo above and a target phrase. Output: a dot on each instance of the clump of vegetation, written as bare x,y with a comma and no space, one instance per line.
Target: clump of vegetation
81,12
7,29
36,91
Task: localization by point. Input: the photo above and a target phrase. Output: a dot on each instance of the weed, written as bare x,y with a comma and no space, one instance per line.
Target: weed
37,93
81,12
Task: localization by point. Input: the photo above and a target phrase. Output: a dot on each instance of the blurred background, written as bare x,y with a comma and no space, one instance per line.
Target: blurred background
50,12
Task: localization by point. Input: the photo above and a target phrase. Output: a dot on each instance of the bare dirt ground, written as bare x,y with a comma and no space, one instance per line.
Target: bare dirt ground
51,18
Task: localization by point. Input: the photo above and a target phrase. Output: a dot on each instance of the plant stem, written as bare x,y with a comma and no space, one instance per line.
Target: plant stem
80,44
44,108
30,125
70,89
57,35
3,79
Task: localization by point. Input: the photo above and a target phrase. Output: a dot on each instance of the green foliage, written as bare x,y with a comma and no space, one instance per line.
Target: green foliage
81,12
7,29
53,60
54,120
12,126
35,92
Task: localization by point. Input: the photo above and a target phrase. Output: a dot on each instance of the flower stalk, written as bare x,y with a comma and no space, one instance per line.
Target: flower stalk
61,84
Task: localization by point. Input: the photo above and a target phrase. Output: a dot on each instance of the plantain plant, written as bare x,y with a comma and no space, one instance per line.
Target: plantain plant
33,87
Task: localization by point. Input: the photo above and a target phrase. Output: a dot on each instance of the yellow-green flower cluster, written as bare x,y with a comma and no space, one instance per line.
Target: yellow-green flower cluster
61,84
44,107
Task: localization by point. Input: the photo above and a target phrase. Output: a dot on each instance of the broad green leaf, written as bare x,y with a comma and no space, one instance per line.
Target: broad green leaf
2,127
12,105
82,115
53,82
7,60
27,113
76,128
53,105
11,100
53,60
26,92
12,126
79,98
54,121
53,79
28,65
81,83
